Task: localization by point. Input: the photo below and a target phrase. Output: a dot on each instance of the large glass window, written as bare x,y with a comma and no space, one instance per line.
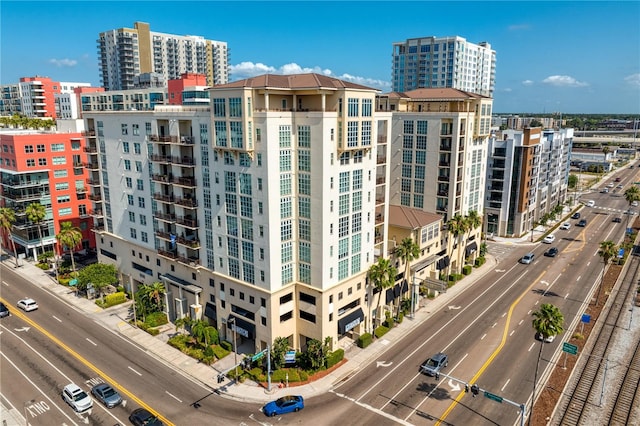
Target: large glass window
304,184
352,133
235,107
366,108
221,133
304,207
353,106
304,136
219,107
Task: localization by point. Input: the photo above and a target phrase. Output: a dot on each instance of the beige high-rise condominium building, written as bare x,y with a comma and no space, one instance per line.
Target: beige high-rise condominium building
127,52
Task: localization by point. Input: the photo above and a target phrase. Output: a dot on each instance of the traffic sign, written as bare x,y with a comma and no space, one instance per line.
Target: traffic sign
257,356
489,395
621,253
586,318
569,348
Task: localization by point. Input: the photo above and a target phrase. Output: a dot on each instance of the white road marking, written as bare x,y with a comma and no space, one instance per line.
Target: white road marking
505,385
521,321
139,374
579,276
531,347
90,341
483,336
56,318
494,324
504,315
5,283
588,263
174,397
511,334
565,296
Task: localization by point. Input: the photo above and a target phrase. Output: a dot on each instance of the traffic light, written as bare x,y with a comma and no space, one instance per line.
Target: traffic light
475,390
466,388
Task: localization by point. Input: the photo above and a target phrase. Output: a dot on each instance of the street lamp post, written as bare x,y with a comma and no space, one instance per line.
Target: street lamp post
232,321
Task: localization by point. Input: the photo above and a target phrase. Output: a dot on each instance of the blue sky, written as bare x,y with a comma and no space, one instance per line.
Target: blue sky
570,57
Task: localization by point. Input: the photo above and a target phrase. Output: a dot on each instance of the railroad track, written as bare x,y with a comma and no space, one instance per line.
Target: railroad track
628,397
589,382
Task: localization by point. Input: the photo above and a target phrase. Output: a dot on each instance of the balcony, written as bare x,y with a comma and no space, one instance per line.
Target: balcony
381,160
187,202
98,228
163,235
90,166
168,254
93,182
184,181
90,133
95,197
165,139
192,242
96,213
160,178
167,198
443,178
186,221
184,160
380,180
90,149
189,261
445,147
82,190
167,217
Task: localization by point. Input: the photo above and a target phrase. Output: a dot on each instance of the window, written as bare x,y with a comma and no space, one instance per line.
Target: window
125,147
132,217
143,219
140,184
125,130
128,182
42,161
31,162
40,148
130,199
28,149
138,166
141,202
133,233
135,128
235,107
353,106
136,148
127,164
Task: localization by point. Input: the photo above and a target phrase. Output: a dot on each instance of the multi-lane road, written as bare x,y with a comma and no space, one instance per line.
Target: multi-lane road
486,332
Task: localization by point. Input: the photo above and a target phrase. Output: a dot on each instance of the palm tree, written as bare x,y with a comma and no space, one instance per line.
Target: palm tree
407,250
36,213
7,219
605,151
632,194
547,322
382,275
457,226
607,251
155,294
474,220
69,236
199,332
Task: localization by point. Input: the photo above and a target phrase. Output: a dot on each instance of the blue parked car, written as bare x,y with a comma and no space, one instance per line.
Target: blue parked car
286,404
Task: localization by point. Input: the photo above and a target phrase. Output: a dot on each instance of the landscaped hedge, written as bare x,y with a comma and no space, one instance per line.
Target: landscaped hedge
144,326
220,352
466,269
112,300
364,340
400,318
335,357
381,331
156,319
480,261
227,345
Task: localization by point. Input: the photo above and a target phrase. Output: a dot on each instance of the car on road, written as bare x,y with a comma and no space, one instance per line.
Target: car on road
617,219
611,185
591,203
565,226
582,223
4,311
527,258
576,215
27,304
634,204
548,339
76,398
142,417
551,252
617,179
605,191
107,395
619,186
283,405
549,239
433,365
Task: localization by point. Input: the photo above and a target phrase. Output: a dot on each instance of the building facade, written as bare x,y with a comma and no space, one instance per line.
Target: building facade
430,62
189,89
125,53
45,168
33,97
141,99
258,212
527,176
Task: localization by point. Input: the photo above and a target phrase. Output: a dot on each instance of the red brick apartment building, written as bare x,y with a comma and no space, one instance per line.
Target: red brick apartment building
45,167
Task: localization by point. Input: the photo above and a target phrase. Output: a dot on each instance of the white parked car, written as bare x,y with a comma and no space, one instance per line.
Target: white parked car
565,225
591,203
546,340
27,304
549,239
634,204
78,399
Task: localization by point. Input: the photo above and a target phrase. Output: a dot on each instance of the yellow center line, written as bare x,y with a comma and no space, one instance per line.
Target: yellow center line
495,353
79,357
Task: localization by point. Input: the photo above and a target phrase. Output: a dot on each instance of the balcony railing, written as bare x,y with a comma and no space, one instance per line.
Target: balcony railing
95,197
90,149
191,223
167,217
185,181
191,243
169,254
93,182
98,228
90,166
96,213
187,202
168,198
163,235
89,132
190,261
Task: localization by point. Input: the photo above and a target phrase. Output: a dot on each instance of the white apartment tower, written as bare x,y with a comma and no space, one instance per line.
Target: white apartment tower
258,212
443,62
127,52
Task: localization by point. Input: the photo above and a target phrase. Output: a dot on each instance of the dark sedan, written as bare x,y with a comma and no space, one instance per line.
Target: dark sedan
142,417
4,311
551,252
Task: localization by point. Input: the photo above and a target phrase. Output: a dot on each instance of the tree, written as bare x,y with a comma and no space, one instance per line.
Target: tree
457,226
632,194
200,332
608,251
152,296
573,181
605,151
7,219
547,322
36,213
382,275
473,221
315,357
278,350
99,275
407,251
69,236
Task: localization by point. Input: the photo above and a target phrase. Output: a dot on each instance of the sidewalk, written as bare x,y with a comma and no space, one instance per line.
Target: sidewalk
116,318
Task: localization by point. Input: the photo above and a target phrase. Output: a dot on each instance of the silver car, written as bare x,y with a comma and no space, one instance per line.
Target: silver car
107,395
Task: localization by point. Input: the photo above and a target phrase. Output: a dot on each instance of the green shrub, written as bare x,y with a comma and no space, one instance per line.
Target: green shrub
466,269
120,289
153,331
480,261
281,375
220,352
64,280
226,345
335,357
179,341
112,300
364,340
43,266
304,376
381,331
155,319
400,318
452,277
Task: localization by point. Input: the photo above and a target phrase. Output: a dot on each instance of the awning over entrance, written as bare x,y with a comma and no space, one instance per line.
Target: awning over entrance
242,327
389,296
350,321
471,248
210,311
442,263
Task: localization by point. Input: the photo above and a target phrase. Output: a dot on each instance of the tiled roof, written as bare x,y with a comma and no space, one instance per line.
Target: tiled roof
440,93
409,218
294,81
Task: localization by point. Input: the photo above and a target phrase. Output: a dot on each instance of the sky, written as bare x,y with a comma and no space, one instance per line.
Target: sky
551,56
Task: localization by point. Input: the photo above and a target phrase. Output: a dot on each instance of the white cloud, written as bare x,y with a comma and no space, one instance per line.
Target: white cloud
527,83
250,69
507,89
63,62
519,27
564,81
633,80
